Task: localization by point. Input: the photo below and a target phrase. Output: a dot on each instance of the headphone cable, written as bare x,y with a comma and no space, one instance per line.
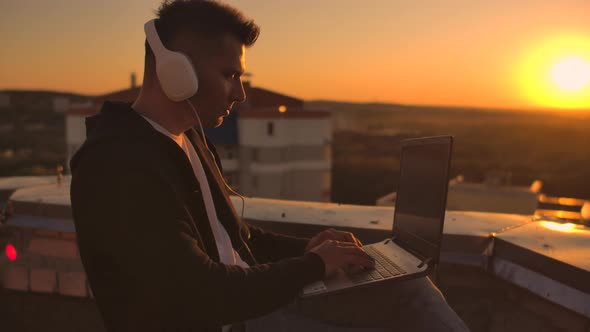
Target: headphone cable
225,183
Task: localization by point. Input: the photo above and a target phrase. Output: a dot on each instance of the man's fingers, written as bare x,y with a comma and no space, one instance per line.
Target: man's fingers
344,236
361,260
345,244
319,239
357,241
339,254
350,238
353,250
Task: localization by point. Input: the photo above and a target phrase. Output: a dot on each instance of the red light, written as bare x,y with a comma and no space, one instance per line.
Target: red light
11,252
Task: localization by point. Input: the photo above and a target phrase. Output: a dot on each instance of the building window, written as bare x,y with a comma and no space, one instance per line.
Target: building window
270,129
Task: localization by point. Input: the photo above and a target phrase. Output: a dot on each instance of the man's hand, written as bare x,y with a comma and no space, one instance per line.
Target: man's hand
342,255
332,234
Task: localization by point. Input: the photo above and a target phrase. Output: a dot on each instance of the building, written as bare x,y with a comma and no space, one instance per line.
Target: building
61,104
285,155
269,146
272,147
496,194
4,100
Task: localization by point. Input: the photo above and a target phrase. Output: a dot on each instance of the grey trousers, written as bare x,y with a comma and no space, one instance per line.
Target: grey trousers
412,305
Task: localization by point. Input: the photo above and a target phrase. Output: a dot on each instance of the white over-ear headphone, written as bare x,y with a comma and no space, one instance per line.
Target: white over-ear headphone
175,70
179,82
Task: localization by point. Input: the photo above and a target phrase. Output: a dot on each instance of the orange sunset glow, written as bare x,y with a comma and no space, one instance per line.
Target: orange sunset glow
494,54
557,73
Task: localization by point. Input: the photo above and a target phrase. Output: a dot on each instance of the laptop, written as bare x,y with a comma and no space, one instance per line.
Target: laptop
414,246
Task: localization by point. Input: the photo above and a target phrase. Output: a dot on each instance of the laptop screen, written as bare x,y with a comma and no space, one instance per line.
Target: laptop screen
422,192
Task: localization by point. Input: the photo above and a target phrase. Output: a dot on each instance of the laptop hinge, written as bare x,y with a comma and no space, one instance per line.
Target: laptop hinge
390,239
424,260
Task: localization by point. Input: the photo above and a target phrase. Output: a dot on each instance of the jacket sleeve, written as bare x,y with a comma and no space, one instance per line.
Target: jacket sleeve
272,247
153,242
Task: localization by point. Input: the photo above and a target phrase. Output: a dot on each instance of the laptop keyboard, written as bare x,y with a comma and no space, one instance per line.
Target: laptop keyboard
384,268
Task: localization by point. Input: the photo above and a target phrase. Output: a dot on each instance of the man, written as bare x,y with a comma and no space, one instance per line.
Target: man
162,245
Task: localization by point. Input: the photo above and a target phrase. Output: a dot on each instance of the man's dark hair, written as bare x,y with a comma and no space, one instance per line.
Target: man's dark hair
207,19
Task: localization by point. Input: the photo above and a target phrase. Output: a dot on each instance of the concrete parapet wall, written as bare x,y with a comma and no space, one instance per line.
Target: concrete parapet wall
488,295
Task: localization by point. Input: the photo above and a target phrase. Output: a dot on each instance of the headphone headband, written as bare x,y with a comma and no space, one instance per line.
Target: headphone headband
175,71
153,39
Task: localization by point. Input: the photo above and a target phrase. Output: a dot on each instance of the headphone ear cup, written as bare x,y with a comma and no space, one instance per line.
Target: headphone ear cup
177,75
174,70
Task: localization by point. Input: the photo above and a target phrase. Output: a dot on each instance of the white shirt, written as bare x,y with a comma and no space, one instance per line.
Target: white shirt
227,253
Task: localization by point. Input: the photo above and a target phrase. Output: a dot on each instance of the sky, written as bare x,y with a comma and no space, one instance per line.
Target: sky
494,54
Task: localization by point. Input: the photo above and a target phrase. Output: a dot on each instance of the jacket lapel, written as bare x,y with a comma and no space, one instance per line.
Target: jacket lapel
177,172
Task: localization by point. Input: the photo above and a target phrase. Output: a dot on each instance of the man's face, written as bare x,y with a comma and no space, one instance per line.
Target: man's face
220,83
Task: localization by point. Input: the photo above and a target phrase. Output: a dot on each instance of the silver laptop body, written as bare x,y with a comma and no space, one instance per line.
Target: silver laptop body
414,246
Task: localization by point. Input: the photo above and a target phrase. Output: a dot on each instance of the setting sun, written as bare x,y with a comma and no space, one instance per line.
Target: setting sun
571,74
556,74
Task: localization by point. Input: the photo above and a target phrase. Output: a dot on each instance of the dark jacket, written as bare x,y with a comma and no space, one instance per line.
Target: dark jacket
145,239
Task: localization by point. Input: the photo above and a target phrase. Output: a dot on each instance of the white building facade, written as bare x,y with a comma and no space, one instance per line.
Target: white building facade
285,155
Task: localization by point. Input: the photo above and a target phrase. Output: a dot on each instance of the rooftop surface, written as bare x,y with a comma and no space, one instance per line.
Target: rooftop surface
550,259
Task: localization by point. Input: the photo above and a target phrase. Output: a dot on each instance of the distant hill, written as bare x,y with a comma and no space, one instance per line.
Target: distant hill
38,99
42,93
332,105
32,132
551,147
